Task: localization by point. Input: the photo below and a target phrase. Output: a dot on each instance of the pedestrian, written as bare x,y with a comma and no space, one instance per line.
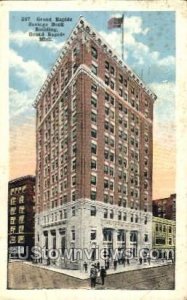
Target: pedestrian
124,261
102,275
128,261
98,265
93,276
48,261
107,264
140,260
115,264
85,265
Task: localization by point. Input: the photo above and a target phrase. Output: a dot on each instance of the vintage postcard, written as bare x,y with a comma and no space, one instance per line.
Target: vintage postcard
94,113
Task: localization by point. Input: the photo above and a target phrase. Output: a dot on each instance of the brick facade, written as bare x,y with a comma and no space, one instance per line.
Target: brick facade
94,145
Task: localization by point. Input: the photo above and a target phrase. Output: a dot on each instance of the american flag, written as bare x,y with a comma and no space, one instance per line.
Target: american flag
115,22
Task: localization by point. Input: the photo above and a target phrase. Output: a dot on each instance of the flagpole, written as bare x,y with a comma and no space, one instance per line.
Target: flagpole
122,38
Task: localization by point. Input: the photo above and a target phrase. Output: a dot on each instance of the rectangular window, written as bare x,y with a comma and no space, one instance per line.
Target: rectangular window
21,229
106,198
106,80
73,211
106,65
111,100
12,229
132,90
93,180
112,84
94,87
93,117
120,78
93,195
65,214
106,168
93,235
12,239
107,111
13,210
94,69
73,196
132,218
74,165
21,209
107,97
119,215
121,92
93,148
21,199
112,71
94,102
21,219
93,164
21,239
106,184
93,133
94,52
73,235
105,213
73,180
145,237
111,214
93,211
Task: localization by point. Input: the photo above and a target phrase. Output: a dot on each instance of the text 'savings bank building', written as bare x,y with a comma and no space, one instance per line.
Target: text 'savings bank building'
94,152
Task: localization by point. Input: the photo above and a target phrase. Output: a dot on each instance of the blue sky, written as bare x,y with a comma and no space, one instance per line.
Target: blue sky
149,49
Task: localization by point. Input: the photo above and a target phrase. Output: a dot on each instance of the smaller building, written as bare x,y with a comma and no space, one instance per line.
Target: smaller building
21,212
165,207
163,237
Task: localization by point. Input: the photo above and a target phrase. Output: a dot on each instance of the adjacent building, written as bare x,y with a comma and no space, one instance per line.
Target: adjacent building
165,207
21,211
164,237
94,153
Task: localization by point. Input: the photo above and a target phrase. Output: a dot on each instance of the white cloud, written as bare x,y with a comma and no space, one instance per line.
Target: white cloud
113,38
30,71
20,102
21,38
164,114
165,92
133,25
139,53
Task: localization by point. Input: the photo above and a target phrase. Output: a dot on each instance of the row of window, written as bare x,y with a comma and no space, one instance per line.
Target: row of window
17,239
20,229
13,200
14,220
17,190
108,213
14,210
163,228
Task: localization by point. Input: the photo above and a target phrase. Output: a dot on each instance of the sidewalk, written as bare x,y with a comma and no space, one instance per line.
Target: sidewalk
134,265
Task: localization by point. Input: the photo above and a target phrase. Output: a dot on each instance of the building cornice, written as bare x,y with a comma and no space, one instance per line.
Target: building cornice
83,24
32,177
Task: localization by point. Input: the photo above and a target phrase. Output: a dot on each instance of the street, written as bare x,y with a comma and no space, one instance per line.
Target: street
24,276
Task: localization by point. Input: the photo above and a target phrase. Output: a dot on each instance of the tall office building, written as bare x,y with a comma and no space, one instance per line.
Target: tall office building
94,152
